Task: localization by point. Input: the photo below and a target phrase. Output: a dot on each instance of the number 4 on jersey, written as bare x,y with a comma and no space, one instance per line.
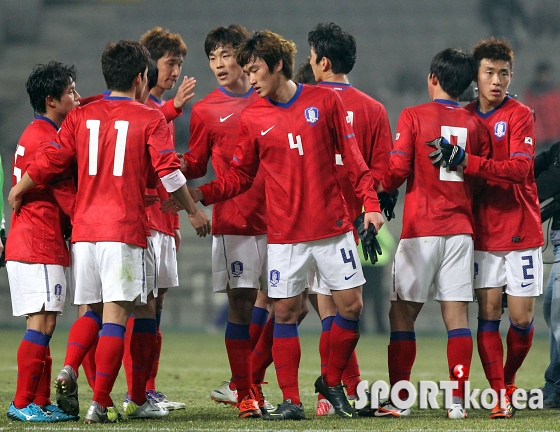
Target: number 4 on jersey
295,144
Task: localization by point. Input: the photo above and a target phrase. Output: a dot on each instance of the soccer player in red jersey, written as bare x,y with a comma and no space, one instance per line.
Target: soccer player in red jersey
292,134
238,224
333,54
508,223
37,253
114,140
436,246
168,50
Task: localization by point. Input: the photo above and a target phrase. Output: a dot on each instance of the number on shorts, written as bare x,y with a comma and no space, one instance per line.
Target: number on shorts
527,267
349,258
118,163
460,135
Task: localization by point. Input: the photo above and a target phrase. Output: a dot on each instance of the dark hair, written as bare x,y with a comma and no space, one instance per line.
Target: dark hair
304,74
51,79
493,49
122,62
271,48
232,35
330,41
161,42
152,73
454,70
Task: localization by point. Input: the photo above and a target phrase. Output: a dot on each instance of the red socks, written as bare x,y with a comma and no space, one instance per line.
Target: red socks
151,384
31,363
491,352
108,358
343,340
459,352
401,357
43,396
286,352
142,349
82,337
519,341
238,346
258,322
262,353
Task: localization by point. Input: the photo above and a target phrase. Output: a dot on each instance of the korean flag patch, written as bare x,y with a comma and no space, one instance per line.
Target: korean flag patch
529,140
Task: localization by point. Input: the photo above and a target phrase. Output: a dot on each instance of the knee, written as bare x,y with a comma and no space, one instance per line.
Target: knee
352,310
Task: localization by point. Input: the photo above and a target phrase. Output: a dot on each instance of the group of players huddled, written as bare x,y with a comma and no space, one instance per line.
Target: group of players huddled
303,174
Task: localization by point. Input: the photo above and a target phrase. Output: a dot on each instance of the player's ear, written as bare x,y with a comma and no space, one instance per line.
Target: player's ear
50,101
432,79
326,64
279,66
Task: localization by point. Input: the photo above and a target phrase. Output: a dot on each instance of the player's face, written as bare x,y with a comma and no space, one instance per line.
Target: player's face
225,67
169,69
69,99
316,68
263,81
493,80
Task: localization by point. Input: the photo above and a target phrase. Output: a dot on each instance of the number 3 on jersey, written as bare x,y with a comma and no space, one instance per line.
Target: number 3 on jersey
122,130
295,144
454,135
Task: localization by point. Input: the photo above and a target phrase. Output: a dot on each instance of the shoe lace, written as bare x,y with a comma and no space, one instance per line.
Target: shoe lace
258,393
246,404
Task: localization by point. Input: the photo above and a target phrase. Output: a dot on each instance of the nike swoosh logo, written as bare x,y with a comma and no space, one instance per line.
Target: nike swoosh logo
349,277
225,118
523,285
263,133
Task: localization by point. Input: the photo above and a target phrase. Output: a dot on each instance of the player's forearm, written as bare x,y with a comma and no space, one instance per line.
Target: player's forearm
182,195
514,170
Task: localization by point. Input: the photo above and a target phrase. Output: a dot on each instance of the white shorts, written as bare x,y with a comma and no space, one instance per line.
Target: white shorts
166,260
521,271
108,272
151,274
33,286
442,262
335,260
239,261
313,284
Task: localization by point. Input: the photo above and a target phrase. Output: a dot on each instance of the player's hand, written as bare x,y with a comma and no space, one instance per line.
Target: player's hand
171,205
184,92
14,199
446,154
370,245
150,199
388,203
178,238
200,222
181,157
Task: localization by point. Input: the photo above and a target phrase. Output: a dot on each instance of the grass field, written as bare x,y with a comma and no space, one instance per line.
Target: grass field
192,364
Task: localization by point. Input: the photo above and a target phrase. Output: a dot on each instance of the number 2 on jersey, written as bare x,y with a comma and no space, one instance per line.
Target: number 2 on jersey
122,130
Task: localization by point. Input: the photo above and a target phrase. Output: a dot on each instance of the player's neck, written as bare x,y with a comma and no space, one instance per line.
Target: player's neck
57,119
157,92
439,93
485,106
337,78
285,91
129,93
240,87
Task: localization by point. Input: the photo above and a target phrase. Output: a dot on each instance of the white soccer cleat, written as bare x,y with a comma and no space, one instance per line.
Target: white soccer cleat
147,410
161,401
324,408
456,412
224,394
387,409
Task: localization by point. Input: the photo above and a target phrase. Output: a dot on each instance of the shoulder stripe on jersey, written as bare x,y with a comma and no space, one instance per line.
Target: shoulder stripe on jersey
349,135
236,159
399,152
166,151
57,145
521,154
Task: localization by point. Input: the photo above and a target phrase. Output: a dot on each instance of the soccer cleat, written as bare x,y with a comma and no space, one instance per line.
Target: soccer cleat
161,401
57,415
97,414
264,405
457,411
126,401
337,398
286,411
510,388
503,413
31,413
365,411
387,409
249,408
324,408
66,386
224,394
147,410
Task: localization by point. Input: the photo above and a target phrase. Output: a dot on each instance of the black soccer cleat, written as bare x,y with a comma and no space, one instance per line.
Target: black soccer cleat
286,411
337,398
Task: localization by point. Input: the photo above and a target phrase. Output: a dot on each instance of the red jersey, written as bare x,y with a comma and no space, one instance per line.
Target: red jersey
114,140
370,123
36,232
438,201
158,220
214,132
294,143
547,110
507,213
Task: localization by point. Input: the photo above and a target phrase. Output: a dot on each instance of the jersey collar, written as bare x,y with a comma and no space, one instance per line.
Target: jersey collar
48,120
155,99
291,101
446,102
489,113
237,95
117,98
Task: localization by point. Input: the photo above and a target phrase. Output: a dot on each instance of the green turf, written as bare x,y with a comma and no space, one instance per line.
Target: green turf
192,364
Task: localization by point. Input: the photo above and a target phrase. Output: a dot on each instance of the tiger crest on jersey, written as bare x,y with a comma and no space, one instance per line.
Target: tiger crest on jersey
311,114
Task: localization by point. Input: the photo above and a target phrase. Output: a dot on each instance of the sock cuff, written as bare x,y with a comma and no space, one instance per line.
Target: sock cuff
459,332
403,335
346,323
158,318
259,316
237,331
285,330
92,315
112,329
326,323
488,325
145,325
36,337
522,331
